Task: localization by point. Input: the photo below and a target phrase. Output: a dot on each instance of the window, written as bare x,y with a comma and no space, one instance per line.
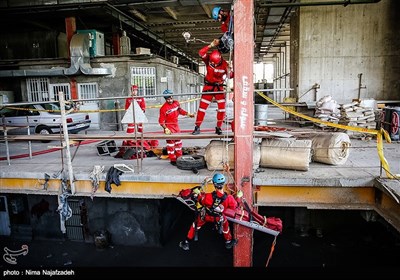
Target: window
37,89
40,89
56,88
145,79
88,91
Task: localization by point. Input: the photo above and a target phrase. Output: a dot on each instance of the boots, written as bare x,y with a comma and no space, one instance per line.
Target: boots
229,244
184,245
196,130
218,130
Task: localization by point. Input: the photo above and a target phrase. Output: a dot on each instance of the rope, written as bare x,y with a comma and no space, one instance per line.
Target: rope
271,252
225,154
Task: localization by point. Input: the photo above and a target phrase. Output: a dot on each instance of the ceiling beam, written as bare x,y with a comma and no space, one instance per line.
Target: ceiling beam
171,12
206,9
138,14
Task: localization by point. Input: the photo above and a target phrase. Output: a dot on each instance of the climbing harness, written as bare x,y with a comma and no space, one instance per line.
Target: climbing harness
226,43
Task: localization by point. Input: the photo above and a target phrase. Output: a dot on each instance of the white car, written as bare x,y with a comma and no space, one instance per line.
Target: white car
42,118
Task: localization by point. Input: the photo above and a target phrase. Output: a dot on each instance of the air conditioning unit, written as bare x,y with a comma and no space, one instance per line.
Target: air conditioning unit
175,59
6,97
96,42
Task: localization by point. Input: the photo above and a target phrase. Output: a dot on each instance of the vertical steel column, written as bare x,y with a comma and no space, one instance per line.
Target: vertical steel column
115,41
74,89
244,120
70,30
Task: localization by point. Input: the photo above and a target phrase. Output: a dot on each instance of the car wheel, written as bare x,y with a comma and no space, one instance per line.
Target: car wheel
44,131
190,162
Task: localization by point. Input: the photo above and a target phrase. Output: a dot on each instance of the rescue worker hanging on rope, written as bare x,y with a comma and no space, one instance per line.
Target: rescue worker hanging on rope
211,207
226,42
223,17
142,104
217,69
168,119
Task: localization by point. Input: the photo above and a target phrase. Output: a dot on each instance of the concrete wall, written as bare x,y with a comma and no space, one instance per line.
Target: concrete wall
338,43
180,79
45,222
130,221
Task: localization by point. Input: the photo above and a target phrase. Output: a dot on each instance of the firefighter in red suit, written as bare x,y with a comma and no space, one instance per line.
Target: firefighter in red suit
168,119
217,70
142,104
213,205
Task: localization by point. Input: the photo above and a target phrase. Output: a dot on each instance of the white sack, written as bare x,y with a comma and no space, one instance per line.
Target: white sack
286,153
331,148
216,154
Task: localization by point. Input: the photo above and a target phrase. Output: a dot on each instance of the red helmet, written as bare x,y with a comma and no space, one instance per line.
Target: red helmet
215,58
134,87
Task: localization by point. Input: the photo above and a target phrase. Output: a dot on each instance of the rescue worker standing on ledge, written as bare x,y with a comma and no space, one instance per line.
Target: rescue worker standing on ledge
212,211
142,104
222,16
168,119
217,69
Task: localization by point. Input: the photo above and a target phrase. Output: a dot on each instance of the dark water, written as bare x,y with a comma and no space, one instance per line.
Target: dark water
348,247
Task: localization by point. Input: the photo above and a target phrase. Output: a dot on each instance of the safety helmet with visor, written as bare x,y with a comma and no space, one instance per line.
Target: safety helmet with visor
167,93
219,180
215,58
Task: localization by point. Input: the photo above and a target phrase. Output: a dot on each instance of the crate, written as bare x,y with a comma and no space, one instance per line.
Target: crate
143,51
106,147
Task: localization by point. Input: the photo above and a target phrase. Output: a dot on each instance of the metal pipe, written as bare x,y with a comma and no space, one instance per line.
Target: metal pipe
330,3
6,140
29,142
66,141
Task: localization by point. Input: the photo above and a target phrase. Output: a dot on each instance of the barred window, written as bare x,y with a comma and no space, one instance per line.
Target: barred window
37,89
145,79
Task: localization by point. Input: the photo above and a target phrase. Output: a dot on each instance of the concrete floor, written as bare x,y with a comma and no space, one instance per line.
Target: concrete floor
361,168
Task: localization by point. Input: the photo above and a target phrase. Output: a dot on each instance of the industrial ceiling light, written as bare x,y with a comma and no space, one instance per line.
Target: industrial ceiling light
187,36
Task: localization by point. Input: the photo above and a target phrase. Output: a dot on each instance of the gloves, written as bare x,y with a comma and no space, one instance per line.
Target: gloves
239,194
214,43
219,208
196,190
190,115
167,131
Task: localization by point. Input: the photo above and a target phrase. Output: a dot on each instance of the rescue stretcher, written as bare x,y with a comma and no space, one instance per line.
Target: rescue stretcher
241,215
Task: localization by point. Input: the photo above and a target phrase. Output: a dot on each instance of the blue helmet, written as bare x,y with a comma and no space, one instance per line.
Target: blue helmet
218,180
167,93
215,12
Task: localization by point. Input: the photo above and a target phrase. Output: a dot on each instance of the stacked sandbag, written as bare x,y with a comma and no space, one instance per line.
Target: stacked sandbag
331,148
218,152
286,153
327,110
356,115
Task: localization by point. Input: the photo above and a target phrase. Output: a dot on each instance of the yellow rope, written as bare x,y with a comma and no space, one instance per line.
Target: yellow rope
378,133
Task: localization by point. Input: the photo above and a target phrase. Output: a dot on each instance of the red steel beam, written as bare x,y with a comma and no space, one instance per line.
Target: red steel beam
70,30
244,121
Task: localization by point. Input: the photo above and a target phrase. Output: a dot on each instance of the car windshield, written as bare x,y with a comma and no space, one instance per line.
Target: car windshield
52,108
